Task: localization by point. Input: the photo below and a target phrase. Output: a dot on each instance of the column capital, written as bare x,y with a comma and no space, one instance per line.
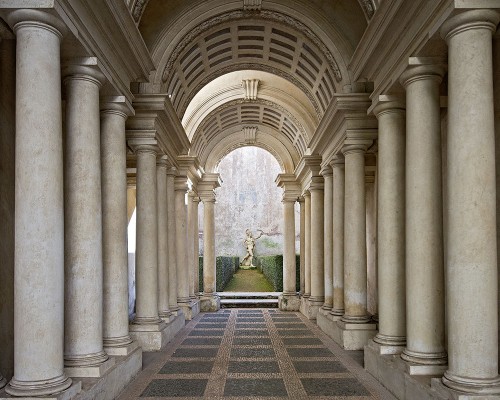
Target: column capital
355,147
180,183
337,161
118,105
389,104
472,19
317,183
427,70
162,161
81,69
326,171
145,148
36,18
290,186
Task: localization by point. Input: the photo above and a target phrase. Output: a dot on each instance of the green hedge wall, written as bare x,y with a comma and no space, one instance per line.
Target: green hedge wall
272,268
225,267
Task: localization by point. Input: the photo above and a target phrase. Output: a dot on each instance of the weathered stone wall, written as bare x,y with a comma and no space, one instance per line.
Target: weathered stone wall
248,199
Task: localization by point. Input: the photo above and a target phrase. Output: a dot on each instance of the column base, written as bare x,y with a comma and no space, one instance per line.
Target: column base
391,372
154,337
123,350
70,393
389,344
425,363
353,336
469,388
288,302
210,303
190,309
91,371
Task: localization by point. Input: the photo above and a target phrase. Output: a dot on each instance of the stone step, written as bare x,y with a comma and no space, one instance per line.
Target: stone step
249,295
252,302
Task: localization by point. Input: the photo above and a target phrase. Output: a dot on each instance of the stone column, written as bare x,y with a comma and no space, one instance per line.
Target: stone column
424,216
472,285
209,301
172,253
116,339
371,236
338,235
328,238
391,225
147,240
163,249
355,299
317,259
192,220
196,249
181,188
39,219
83,316
289,267
307,241
302,229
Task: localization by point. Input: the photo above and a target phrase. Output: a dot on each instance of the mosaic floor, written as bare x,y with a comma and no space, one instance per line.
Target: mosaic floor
252,354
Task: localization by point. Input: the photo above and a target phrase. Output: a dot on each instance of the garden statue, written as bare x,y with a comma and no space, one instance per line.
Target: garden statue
249,242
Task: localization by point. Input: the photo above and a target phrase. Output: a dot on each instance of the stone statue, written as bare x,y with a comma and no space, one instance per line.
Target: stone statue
249,242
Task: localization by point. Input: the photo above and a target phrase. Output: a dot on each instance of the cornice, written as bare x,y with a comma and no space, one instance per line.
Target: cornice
381,59
346,113
155,117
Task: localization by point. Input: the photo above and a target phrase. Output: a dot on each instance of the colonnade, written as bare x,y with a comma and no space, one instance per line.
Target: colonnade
71,317
436,226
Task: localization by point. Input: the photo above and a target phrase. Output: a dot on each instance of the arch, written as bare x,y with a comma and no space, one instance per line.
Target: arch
271,89
236,139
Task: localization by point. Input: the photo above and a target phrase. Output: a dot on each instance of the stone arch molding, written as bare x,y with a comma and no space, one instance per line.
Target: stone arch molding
236,139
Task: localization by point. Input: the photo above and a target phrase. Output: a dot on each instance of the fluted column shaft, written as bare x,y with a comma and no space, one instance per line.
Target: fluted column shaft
328,239
338,236
391,224
39,219
302,245
472,283
317,240
209,286
355,296
163,249
147,238
307,241
181,240
83,316
289,266
171,235
424,216
114,227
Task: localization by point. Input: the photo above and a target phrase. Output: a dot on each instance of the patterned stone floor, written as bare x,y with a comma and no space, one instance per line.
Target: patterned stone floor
253,354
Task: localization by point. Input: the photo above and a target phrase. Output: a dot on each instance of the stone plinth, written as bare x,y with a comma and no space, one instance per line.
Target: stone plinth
353,336
326,321
69,393
288,302
210,303
153,337
389,368
310,307
191,309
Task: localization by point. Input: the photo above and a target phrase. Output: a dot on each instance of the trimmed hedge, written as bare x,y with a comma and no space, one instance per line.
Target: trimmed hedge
225,267
272,268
